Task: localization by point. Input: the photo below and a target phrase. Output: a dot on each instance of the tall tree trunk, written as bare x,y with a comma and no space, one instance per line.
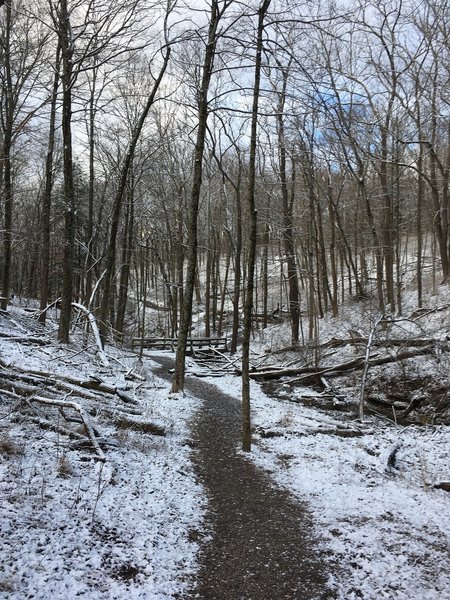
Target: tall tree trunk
377,249
209,260
180,256
288,229
91,190
440,221
322,258
248,307
388,218
216,279
47,200
224,291
265,274
127,246
332,250
419,234
69,190
8,122
237,269
312,305
445,193
235,243
186,312
118,200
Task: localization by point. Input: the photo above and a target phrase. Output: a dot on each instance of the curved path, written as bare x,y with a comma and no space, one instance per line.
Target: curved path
262,546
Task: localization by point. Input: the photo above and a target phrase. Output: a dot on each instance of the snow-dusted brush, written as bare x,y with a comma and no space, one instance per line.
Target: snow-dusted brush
97,492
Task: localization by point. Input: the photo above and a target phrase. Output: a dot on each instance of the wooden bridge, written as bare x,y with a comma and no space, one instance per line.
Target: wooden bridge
196,344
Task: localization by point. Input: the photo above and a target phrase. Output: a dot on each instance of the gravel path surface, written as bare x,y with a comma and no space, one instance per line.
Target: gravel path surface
262,546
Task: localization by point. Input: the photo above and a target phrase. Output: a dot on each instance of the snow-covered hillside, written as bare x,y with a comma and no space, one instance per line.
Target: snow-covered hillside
70,524
73,525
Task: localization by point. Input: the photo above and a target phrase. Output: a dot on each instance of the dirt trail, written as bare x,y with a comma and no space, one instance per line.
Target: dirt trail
262,546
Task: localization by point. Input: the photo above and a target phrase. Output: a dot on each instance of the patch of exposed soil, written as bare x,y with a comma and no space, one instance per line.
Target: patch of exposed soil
403,399
419,401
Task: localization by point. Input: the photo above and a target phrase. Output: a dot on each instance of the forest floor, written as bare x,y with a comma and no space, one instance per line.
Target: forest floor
142,523
71,525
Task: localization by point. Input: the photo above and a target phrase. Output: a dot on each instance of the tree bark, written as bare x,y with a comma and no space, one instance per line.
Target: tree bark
47,200
65,43
127,246
248,307
339,369
288,229
118,200
191,253
8,123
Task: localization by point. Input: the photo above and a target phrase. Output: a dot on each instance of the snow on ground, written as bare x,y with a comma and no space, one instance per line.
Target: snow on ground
72,527
384,527
384,530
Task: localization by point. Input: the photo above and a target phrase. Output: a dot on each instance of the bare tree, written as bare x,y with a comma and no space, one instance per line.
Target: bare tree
84,33
217,12
282,72
118,199
248,308
22,46
47,199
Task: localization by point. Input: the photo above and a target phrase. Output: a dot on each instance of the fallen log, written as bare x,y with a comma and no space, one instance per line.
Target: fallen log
336,370
142,426
94,383
392,458
391,343
35,341
28,385
99,386
316,371
86,423
329,391
93,323
66,404
57,428
423,312
442,485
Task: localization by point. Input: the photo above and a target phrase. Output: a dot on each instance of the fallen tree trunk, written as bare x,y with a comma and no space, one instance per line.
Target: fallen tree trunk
336,370
36,341
423,312
95,384
392,343
78,408
67,404
28,384
442,485
93,323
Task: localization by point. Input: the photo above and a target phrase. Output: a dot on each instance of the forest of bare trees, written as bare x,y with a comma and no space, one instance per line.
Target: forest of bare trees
138,170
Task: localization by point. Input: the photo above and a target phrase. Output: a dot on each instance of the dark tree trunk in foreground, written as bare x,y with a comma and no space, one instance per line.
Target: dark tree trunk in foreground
186,309
248,307
47,200
5,158
69,191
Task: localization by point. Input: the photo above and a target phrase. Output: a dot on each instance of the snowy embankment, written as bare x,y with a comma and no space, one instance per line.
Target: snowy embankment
384,526
72,526
384,530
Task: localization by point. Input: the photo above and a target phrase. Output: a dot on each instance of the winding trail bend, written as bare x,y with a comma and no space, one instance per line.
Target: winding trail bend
262,545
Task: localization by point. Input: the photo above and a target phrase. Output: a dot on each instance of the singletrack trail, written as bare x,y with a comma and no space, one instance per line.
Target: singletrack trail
262,545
